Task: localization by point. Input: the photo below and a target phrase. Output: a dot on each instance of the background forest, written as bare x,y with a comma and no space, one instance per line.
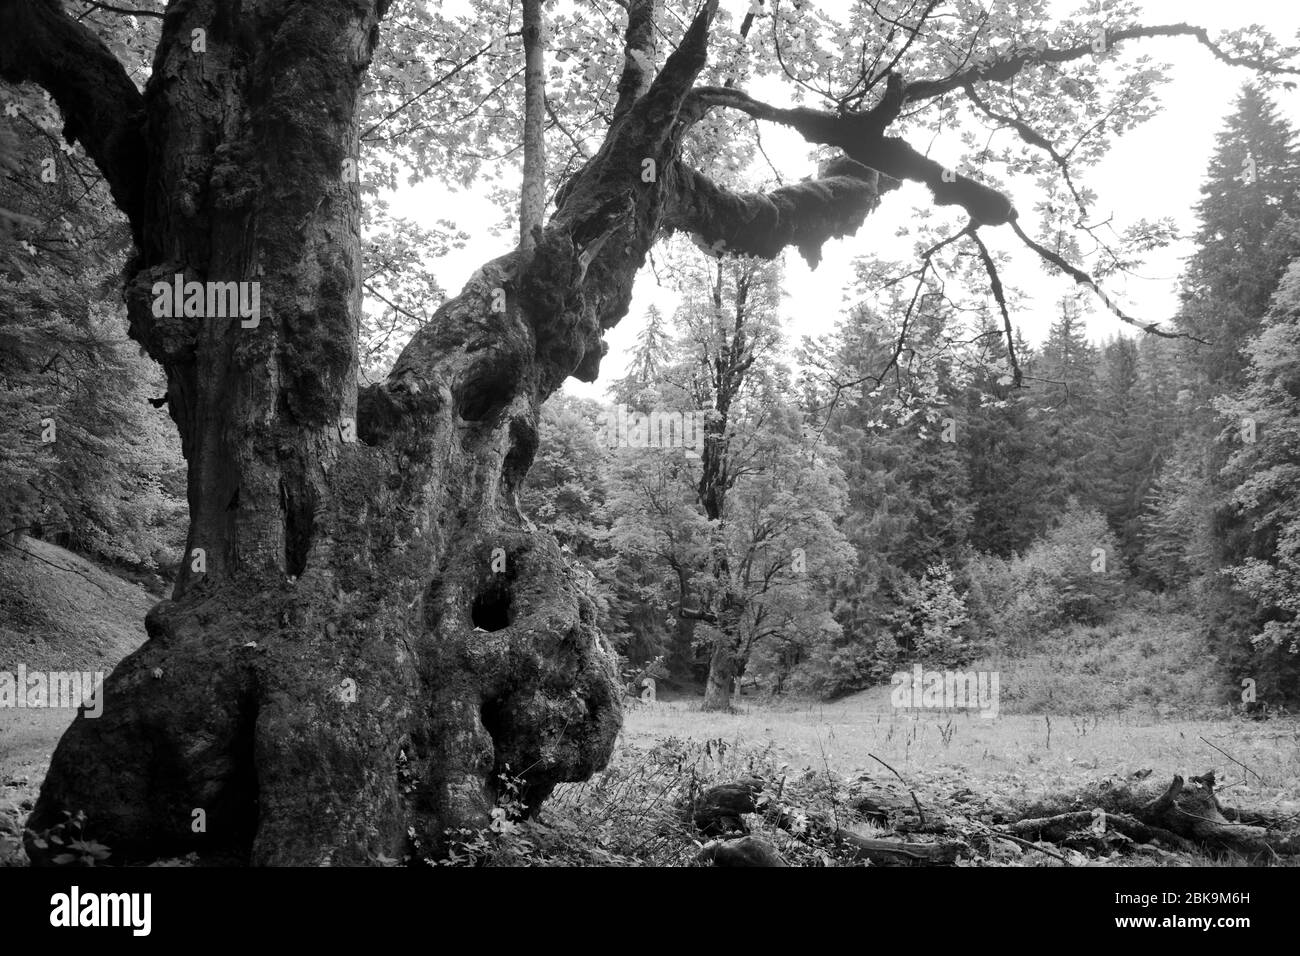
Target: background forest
860,508
861,501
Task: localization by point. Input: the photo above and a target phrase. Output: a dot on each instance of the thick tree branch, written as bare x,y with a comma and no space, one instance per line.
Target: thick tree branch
685,63
691,614
638,54
860,136
481,361
102,108
803,215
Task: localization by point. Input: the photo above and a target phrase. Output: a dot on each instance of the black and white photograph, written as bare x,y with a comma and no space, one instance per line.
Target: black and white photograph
646,435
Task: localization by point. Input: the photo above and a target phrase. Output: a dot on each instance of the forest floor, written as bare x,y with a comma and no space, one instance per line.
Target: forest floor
965,775
1135,700
1032,750
58,611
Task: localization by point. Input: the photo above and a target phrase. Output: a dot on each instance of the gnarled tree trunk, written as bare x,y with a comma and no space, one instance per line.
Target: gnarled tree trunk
366,631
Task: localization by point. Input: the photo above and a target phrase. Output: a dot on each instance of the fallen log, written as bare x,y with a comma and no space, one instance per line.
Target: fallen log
1139,809
885,852
881,807
1194,812
1059,828
721,809
1184,816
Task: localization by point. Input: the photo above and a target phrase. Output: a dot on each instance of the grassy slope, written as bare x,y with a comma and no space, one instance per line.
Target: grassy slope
57,612
1141,664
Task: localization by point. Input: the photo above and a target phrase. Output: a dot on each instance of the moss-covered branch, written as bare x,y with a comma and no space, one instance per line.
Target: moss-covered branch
102,109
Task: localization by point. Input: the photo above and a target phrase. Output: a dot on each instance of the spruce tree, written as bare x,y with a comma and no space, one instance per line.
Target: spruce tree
1064,392
1250,224
645,369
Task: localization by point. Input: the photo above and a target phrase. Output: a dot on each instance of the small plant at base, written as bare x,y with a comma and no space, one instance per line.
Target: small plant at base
70,838
502,840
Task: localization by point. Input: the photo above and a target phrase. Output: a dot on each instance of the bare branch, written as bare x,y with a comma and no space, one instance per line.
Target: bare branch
1083,279
913,32
365,134
1006,67
1033,138
125,11
995,286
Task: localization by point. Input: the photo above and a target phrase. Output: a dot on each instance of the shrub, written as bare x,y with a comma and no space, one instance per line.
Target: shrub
1072,575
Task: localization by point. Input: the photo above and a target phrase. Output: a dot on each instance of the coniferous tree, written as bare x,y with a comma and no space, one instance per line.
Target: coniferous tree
1006,467
1248,233
1250,228
1264,473
1124,457
1064,391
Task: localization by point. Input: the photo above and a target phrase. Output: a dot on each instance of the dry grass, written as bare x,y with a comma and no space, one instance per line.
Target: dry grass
1023,752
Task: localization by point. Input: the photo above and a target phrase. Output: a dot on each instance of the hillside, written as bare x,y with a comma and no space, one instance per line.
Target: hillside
58,611
1143,663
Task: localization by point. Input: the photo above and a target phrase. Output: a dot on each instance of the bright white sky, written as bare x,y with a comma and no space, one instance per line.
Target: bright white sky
1155,171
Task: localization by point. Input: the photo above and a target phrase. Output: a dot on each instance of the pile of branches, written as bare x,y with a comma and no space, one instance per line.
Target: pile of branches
1116,816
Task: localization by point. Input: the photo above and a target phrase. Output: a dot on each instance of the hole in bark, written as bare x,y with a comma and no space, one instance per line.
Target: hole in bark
299,523
242,796
487,387
523,447
491,609
489,715
378,415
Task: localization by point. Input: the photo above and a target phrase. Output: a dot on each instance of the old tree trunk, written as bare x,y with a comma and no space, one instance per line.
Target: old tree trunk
317,685
367,632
